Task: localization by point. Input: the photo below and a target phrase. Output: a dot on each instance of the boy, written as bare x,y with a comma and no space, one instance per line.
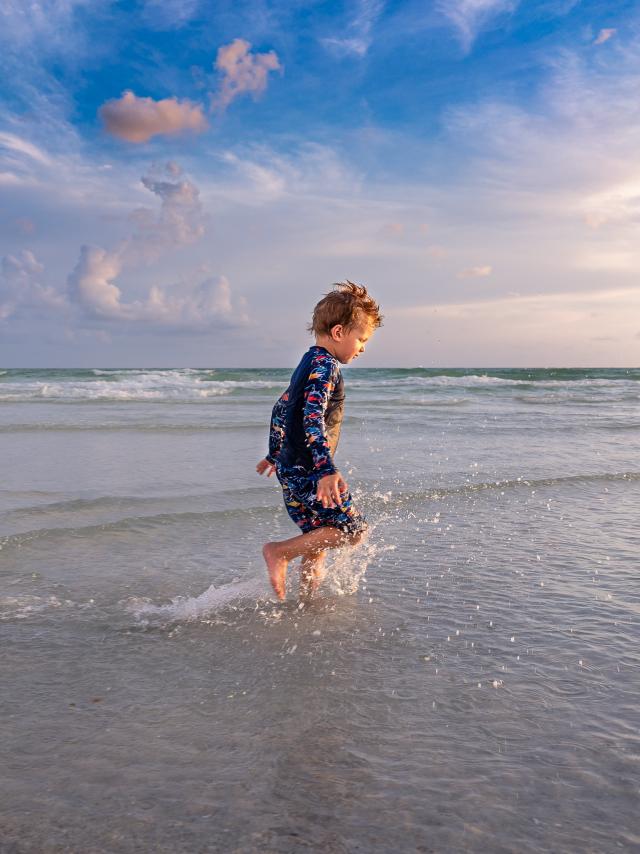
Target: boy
305,427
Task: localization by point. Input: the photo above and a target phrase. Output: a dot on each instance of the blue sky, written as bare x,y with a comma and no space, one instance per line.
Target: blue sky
181,181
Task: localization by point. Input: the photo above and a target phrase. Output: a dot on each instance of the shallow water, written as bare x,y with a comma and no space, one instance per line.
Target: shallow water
469,679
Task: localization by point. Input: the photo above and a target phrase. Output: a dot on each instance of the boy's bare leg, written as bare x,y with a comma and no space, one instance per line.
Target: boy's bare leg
312,573
277,555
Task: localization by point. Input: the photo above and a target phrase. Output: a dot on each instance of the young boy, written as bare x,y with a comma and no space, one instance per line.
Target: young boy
304,433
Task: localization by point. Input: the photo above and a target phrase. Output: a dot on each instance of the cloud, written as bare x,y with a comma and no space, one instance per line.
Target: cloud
243,72
92,285
359,30
169,14
180,221
475,272
438,253
208,304
21,290
47,24
313,170
604,35
469,16
25,225
15,145
139,119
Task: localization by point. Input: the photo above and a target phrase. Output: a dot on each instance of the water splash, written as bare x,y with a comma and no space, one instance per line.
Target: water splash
241,594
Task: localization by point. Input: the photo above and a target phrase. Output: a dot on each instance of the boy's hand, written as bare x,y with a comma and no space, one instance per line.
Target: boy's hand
265,466
329,488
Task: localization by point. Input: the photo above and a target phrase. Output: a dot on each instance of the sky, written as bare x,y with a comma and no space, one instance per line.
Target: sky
182,180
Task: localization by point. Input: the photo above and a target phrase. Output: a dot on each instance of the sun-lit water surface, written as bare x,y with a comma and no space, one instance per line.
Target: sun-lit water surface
469,679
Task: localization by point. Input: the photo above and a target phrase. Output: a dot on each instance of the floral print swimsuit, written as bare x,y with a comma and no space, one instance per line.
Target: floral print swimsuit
303,436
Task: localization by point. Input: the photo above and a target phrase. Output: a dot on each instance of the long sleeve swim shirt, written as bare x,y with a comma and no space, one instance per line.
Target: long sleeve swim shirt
306,420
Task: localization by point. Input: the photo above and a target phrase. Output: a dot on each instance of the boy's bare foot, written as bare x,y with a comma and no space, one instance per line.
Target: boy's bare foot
277,567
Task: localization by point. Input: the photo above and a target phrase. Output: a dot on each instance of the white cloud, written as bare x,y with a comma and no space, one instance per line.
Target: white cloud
21,288
46,23
169,14
358,38
207,305
243,72
92,285
313,170
15,145
138,120
469,16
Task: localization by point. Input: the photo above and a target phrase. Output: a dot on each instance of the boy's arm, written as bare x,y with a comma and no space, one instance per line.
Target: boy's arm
316,399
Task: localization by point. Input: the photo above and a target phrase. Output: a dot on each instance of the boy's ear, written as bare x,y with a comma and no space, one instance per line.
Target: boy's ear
337,331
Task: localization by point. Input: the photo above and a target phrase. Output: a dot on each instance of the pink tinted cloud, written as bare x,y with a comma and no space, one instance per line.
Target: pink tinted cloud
139,119
25,225
475,272
243,71
604,35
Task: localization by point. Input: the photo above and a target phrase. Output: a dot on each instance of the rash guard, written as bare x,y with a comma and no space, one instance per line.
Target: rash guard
306,419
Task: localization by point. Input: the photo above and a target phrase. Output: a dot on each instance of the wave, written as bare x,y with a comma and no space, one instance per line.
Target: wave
187,385
129,523
137,427
81,392
372,501
510,483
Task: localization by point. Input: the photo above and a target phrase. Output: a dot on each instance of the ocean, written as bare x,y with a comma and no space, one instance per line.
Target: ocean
468,679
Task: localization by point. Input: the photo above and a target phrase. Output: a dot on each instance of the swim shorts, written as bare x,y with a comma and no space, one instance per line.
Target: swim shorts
299,492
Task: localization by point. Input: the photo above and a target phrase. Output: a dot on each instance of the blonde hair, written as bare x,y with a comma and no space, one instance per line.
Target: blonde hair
347,305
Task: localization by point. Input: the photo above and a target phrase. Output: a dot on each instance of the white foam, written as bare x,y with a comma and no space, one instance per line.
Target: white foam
186,384
22,607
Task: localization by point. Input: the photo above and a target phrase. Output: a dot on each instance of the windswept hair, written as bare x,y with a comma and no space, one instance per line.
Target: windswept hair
347,304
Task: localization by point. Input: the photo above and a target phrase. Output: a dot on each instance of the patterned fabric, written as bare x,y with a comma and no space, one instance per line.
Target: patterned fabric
303,436
306,420
299,493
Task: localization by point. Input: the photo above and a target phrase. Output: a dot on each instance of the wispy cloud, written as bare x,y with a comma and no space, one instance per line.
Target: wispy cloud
475,272
169,14
47,23
13,145
243,72
139,119
470,16
359,31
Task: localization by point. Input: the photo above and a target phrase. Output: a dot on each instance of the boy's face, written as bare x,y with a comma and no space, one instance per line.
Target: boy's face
348,344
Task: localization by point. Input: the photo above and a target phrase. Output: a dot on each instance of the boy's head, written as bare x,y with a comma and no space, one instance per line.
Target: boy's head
345,319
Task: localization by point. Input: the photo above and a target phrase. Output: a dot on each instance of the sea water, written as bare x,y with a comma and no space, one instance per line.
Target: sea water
467,680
